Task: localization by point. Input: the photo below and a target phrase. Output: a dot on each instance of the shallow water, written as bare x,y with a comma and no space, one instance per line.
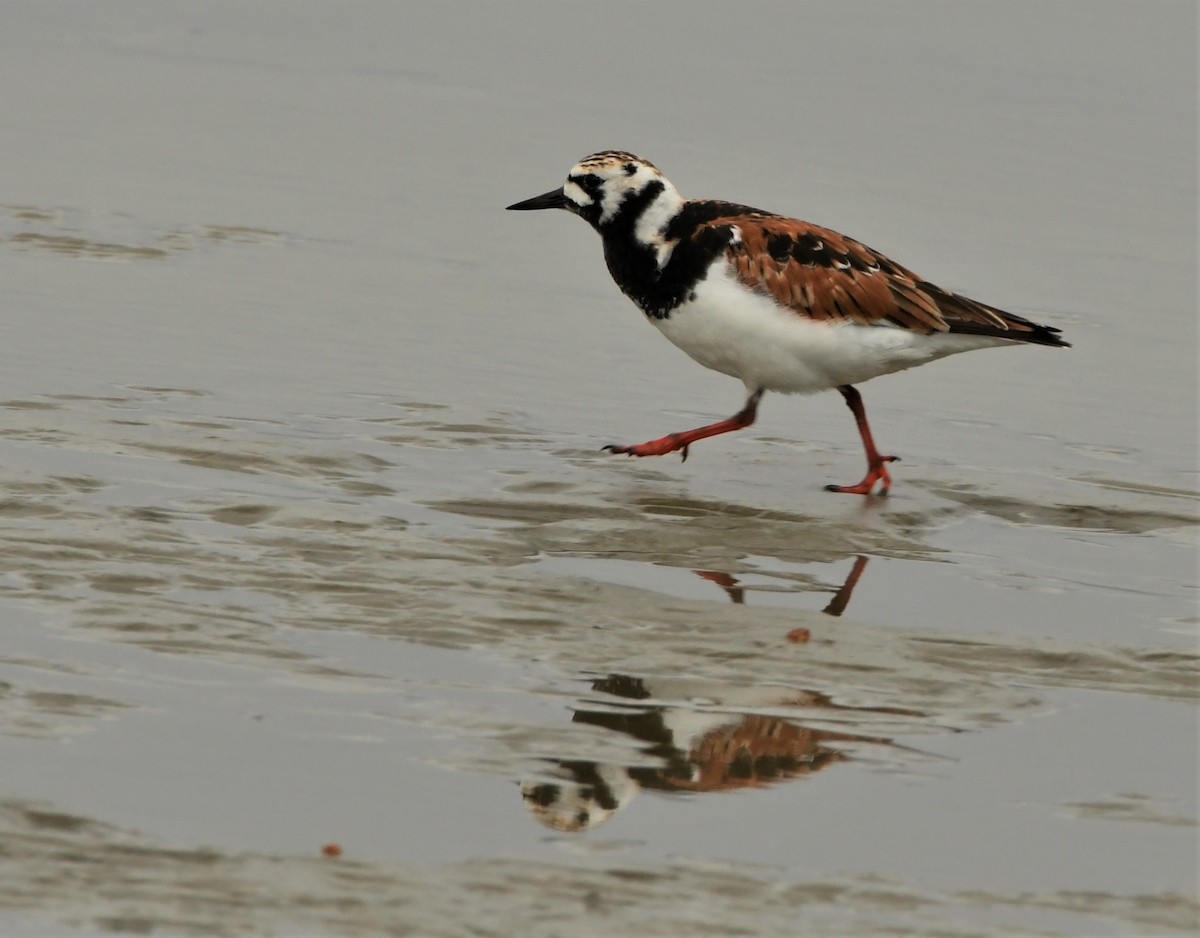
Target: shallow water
306,538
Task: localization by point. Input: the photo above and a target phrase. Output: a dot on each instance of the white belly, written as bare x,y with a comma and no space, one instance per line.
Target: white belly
751,337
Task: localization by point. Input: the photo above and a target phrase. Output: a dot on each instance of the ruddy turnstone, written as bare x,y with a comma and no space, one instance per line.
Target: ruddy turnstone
781,304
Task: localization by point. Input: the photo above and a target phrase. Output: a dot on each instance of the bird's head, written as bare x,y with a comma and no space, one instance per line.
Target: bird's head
608,186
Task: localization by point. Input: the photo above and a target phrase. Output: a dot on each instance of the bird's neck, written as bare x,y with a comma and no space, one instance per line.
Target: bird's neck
641,218
652,250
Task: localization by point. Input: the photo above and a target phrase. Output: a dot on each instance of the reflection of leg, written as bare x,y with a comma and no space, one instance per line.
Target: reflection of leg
728,583
837,605
876,464
685,438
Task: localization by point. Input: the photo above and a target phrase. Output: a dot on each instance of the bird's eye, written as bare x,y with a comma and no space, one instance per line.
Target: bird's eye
591,185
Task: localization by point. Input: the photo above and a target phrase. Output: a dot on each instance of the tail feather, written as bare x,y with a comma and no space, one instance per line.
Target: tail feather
970,317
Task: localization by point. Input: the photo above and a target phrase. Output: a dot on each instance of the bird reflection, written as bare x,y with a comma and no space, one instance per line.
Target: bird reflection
841,598
688,748
836,607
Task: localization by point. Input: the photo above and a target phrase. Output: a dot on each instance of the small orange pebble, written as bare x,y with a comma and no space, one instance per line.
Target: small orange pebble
332,850
799,636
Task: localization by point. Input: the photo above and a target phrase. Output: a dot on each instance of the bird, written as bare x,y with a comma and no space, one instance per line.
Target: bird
781,304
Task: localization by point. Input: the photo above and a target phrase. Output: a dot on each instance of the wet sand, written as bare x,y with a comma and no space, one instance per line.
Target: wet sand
306,538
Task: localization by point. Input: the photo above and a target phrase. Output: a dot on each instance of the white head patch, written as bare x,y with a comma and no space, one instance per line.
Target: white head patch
605,181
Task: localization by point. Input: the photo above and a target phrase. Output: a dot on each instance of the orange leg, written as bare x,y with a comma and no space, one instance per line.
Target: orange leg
876,464
682,440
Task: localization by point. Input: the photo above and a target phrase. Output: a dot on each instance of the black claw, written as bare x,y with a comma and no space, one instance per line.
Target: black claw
684,452
833,488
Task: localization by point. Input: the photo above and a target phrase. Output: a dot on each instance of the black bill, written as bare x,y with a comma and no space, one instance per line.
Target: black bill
552,199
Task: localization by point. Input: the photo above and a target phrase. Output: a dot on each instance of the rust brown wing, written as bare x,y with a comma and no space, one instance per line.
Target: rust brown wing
827,277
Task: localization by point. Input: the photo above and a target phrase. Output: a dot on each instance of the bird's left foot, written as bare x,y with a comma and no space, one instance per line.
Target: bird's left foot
660,447
876,472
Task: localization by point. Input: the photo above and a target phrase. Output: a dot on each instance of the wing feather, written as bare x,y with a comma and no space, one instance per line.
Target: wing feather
826,277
